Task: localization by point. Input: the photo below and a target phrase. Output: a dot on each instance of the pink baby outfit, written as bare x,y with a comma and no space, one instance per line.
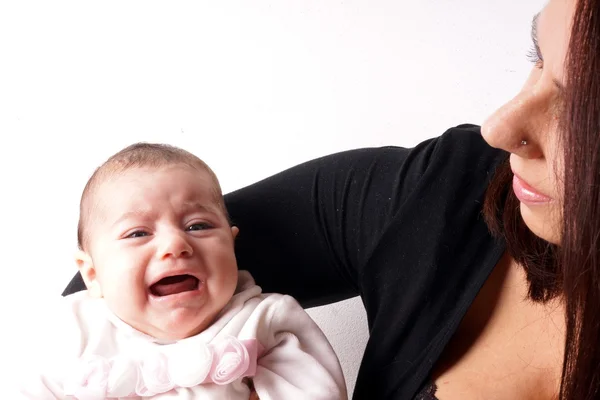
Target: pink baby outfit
268,338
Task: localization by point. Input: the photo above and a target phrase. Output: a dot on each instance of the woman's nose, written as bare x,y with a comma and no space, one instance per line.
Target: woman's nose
175,244
518,126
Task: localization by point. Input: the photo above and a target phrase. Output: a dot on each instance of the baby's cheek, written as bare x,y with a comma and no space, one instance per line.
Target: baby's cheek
227,285
126,295
232,276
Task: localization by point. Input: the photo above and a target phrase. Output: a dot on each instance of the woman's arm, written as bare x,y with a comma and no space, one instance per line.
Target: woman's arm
308,231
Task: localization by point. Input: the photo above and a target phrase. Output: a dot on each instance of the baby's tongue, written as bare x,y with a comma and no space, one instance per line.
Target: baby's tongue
174,285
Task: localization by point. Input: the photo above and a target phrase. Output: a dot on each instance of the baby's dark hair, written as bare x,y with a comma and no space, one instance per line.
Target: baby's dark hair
138,155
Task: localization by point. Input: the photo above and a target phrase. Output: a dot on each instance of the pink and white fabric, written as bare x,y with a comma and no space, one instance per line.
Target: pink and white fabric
96,377
268,338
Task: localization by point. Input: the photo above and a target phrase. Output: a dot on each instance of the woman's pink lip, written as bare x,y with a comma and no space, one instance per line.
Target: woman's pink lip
527,194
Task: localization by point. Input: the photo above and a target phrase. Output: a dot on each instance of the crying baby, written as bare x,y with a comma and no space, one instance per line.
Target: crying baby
166,313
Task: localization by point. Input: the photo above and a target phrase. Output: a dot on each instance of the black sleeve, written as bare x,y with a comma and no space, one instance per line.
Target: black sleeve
309,231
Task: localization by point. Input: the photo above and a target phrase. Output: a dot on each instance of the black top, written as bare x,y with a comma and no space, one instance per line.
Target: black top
402,228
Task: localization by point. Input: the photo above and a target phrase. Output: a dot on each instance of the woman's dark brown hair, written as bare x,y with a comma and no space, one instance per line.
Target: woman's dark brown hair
571,271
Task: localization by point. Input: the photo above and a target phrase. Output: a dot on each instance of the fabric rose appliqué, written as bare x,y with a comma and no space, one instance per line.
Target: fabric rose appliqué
189,363
231,361
155,375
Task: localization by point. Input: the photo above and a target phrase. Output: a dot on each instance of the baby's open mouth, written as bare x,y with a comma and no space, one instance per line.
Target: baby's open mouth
174,285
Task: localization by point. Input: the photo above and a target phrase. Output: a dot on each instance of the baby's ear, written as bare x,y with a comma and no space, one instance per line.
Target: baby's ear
88,273
234,231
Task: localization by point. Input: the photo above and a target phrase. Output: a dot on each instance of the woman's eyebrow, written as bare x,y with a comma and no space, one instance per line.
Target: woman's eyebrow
534,38
534,29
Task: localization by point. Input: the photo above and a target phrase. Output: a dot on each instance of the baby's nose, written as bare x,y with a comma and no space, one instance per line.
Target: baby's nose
176,245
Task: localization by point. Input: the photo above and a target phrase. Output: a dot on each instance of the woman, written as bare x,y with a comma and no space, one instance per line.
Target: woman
455,311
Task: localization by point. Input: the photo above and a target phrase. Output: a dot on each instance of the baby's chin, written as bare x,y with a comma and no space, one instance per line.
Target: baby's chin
165,333
168,326
179,324
169,318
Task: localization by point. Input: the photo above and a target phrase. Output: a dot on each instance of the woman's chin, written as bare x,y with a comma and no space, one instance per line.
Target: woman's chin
542,222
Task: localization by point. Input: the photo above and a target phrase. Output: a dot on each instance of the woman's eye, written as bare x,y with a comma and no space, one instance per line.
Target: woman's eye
199,226
137,234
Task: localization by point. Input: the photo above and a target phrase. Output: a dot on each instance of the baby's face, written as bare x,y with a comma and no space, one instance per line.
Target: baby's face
161,250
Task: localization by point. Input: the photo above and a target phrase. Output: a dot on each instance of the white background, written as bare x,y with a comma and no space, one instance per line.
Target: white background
252,87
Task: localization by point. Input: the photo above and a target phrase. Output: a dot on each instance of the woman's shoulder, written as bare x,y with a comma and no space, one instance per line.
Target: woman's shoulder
457,156
401,200
461,147
433,215
445,173
465,142
461,162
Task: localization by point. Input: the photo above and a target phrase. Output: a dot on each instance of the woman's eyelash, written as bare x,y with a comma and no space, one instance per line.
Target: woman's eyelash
533,55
